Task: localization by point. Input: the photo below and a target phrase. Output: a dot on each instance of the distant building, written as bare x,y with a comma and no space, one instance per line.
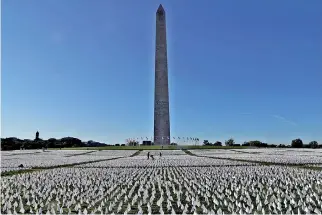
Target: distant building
37,135
147,143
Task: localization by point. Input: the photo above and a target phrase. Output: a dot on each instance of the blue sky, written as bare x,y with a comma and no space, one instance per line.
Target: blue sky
242,69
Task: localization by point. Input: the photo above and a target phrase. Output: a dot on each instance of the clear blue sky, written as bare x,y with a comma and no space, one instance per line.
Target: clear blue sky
242,69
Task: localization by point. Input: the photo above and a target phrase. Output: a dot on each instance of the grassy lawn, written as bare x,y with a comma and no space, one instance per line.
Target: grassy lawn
154,147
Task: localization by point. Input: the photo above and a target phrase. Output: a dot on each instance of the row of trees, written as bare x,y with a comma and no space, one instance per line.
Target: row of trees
13,143
229,142
297,143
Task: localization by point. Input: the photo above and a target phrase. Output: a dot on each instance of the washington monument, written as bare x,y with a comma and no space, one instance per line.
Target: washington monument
161,89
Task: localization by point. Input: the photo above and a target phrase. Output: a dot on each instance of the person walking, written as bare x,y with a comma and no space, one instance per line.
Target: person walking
148,155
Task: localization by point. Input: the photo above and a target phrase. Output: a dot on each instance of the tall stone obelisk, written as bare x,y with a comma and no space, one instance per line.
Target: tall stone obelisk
161,90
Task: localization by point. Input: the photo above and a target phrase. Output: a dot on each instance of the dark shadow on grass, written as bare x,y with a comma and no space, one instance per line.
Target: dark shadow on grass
84,153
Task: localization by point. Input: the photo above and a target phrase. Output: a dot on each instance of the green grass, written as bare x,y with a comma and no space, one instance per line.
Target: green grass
245,152
16,172
153,147
311,167
136,153
84,153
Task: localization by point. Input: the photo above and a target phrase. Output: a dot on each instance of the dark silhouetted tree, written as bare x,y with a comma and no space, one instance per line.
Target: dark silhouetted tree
71,141
230,142
297,143
206,143
256,143
314,144
217,143
246,144
52,142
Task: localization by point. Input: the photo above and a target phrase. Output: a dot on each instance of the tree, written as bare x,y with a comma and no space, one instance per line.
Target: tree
217,143
246,144
11,143
256,143
206,143
230,142
314,144
71,142
52,142
297,143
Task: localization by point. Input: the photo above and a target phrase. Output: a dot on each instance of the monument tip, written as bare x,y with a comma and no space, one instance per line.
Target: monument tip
160,10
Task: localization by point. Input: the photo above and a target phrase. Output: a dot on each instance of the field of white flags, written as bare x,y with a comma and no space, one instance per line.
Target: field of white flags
282,156
165,160
174,182
10,160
